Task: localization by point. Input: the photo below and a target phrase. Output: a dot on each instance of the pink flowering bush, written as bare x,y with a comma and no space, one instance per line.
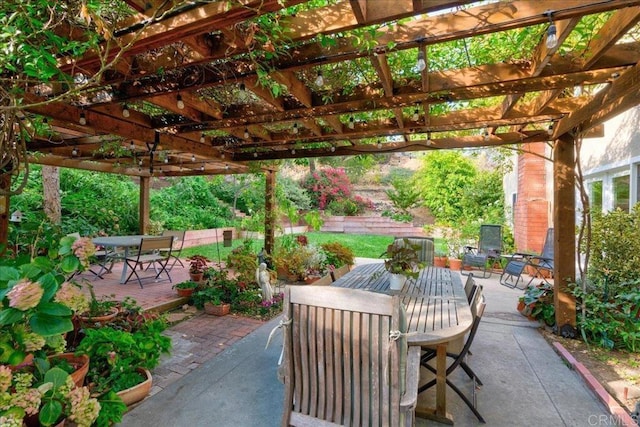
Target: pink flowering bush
50,397
331,188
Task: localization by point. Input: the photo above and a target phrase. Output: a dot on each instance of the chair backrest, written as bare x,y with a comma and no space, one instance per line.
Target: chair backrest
547,249
490,239
151,244
340,365
425,247
470,287
178,238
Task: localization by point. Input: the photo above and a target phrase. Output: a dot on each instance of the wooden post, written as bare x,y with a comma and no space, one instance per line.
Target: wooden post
564,219
145,183
5,184
269,207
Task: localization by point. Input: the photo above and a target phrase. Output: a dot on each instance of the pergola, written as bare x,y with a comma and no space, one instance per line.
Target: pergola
212,87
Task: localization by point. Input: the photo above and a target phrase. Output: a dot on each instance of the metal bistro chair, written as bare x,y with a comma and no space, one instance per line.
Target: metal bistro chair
488,250
477,310
346,362
151,250
517,264
176,249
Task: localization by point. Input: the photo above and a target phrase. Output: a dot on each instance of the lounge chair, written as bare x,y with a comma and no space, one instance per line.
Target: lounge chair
487,252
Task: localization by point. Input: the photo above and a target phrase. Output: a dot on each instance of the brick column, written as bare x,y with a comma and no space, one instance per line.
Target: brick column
531,210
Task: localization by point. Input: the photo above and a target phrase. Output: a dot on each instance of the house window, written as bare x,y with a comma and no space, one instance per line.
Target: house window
596,196
621,192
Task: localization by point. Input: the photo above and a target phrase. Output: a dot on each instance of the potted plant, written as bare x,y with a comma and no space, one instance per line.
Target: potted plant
217,294
185,289
402,262
197,265
100,310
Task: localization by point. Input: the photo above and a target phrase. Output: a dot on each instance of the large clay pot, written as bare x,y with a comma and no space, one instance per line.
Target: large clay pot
186,293
440,261
455,264
80,362
138,392
196,277
99,320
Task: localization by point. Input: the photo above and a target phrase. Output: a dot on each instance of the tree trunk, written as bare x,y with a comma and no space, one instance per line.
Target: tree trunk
51,193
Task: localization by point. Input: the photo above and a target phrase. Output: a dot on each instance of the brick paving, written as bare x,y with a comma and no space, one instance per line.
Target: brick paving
197,337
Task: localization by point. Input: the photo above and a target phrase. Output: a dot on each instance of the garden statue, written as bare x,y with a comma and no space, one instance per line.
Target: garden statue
264,280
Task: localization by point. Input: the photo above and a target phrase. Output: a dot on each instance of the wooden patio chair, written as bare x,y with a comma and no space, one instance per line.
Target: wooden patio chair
487,252
459,356
152,250
345,364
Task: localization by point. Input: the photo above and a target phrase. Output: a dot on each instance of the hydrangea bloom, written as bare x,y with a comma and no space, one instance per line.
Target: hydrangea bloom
84,409
25,295
71,296
83,248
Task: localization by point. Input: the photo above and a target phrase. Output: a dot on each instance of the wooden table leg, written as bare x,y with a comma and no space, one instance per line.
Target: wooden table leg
439,414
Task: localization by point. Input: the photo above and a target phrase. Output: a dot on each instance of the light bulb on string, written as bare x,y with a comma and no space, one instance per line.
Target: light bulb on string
319,79
246,133
226,166
429,140
295,128
293,151
255,154
550,129
140,162
552,32
416,115
179,102
166,160
379,145
193,157
202,137
132,146
83,118
352,122
421,64
202,167
74,152
125,111
333,148
485,135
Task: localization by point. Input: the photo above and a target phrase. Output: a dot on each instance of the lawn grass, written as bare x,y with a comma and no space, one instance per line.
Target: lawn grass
362,245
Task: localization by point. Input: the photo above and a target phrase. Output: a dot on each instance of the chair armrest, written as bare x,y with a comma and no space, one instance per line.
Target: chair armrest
412,378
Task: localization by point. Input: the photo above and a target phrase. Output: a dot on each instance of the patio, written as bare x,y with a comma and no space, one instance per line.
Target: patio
215,360
220,374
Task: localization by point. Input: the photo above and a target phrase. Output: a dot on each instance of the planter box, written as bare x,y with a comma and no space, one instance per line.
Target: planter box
138,392
217,310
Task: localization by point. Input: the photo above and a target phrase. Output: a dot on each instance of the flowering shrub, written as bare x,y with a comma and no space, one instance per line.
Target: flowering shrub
332,187
273,306
51,398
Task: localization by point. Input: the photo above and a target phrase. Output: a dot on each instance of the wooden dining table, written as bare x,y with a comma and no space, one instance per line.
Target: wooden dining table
437,313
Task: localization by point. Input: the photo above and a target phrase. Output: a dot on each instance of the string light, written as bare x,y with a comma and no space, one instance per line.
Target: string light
125,111
485,135
222,154
429,140
202,167
379,145
166,160
202,137
193,157
74,152
255,154
226,166
295,128
132,146
352,122
319,79
421,64
333,149
180,102
246,133
140,162
293,151
416,115
550,129
552,37
83,118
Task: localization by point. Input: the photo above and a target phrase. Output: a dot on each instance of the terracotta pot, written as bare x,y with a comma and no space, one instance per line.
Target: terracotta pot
185,292
80,362
440,261
217,310
196,277
310,279
455,264
100,320
138,392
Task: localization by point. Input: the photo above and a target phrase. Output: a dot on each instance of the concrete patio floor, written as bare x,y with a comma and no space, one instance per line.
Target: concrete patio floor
219,373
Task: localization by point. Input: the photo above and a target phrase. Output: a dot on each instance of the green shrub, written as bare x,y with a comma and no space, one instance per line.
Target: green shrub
337,254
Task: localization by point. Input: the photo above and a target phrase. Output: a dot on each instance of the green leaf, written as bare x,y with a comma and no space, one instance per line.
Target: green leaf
9,316
50,412
54,309
69,264
48,325
65,245
50,286
44,263
9,273
30,271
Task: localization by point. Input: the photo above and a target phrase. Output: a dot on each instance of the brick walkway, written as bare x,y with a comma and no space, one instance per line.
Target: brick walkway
196,337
